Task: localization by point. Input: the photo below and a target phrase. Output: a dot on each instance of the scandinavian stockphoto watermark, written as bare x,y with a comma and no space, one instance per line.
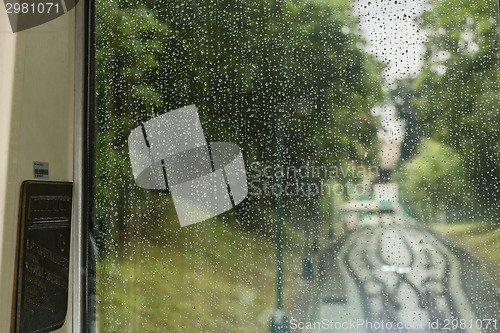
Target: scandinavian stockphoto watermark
170,152
308,180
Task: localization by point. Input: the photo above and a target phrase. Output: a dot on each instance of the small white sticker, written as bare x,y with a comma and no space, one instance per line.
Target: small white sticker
41,170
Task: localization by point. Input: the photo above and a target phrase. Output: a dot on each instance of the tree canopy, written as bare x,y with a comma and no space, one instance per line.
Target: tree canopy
455,98
240,62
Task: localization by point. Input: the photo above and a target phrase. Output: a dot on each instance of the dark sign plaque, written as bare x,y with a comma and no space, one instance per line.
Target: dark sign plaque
43,256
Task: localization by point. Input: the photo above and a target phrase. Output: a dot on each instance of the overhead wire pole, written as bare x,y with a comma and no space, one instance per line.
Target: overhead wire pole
307,268
279,321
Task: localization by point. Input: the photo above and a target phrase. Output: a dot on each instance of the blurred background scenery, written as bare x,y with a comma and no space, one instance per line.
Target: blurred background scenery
386,117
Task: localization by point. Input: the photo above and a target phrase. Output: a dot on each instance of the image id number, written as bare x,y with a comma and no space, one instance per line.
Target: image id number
32,8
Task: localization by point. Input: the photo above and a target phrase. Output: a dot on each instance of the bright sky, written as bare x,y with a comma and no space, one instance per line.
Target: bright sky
391,33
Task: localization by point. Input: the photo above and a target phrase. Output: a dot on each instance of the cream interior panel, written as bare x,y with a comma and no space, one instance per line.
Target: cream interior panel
37,112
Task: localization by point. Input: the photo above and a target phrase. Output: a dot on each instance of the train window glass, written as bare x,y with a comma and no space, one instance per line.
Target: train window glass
288,164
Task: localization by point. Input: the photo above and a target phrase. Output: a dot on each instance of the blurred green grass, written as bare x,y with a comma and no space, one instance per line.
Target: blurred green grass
481,240
210,277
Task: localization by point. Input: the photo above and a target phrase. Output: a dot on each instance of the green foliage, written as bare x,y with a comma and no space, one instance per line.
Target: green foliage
458,89
435,181
128,43
240,62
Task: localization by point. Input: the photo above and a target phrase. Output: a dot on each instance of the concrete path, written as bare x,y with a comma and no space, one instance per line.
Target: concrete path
401,278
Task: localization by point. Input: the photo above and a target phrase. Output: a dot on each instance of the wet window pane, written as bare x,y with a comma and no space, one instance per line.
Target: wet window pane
281,166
